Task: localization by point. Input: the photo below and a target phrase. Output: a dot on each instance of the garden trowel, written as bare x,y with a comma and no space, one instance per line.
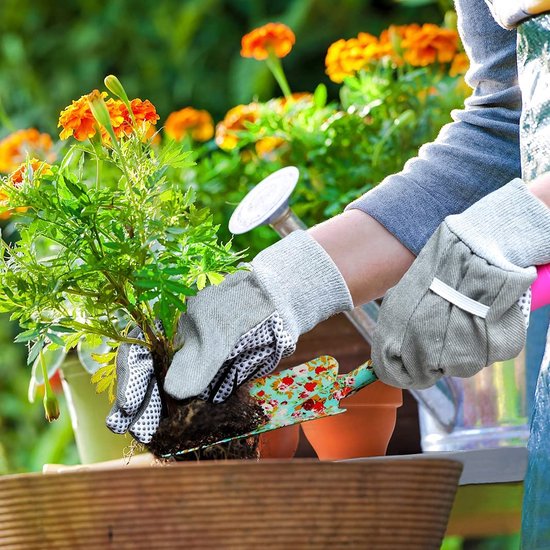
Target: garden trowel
306,392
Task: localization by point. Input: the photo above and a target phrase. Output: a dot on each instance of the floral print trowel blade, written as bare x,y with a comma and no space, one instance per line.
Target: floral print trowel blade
306,392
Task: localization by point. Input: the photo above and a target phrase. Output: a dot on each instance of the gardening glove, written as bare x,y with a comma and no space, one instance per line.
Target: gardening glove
510,13
234,332
458,308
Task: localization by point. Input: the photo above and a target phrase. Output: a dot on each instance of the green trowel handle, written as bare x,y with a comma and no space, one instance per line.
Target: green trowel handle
362,376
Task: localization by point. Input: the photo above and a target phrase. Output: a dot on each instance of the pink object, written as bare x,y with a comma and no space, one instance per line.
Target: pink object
540,289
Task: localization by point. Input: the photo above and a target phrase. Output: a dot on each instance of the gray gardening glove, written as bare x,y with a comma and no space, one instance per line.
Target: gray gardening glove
233,332
458,308
510,13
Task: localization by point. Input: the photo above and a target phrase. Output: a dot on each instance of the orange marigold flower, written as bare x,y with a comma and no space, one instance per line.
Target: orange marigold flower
15,148
77,119
235,120
460,64
429,44
346,57
144,111
273,37
188,121
145,116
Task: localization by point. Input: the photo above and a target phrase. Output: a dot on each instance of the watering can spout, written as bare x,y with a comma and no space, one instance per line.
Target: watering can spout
268,204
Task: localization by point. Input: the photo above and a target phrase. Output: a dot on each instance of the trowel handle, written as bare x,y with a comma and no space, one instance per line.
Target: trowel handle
540,289
358,378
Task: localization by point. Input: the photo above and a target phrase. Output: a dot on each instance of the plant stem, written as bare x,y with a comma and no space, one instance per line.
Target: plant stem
5,119
276,68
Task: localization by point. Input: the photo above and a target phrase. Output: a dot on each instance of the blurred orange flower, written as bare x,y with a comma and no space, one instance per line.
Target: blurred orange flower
460,64
426,44
15,148
273,37
235,120
267,145
188,121
346,57
78,121
16,178
415,44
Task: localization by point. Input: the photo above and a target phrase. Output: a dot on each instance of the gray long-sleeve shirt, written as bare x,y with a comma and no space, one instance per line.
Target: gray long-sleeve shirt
472,156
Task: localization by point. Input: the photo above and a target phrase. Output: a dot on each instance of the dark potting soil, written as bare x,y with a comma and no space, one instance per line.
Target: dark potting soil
195,423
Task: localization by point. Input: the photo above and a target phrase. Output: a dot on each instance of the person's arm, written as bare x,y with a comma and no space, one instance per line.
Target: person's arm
370,258
472,156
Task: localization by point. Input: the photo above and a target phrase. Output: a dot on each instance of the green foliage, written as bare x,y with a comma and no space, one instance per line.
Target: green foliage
342,149
107,241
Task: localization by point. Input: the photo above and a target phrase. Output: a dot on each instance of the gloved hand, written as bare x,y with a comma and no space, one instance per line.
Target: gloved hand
233,332
456,309
510,13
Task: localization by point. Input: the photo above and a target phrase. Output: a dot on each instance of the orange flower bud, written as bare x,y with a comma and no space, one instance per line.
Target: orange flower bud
51,405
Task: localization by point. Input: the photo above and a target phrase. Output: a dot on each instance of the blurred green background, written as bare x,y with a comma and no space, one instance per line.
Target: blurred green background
175,53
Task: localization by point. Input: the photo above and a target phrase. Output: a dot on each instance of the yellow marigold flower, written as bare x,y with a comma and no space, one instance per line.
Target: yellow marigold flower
273,37
235,119
460,64
17,177
429,44
346,57
188,121
77,119
15,148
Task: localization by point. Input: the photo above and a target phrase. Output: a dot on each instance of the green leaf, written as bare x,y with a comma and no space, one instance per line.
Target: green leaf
27,335
201,281
215,278
105,379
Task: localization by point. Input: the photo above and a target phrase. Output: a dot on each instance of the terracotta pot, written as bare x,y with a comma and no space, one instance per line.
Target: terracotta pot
376,503
281,443
363,430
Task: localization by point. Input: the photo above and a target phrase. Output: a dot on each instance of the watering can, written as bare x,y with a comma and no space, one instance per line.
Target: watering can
485,411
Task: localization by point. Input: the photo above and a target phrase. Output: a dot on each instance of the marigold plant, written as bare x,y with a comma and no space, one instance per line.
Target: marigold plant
108,240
